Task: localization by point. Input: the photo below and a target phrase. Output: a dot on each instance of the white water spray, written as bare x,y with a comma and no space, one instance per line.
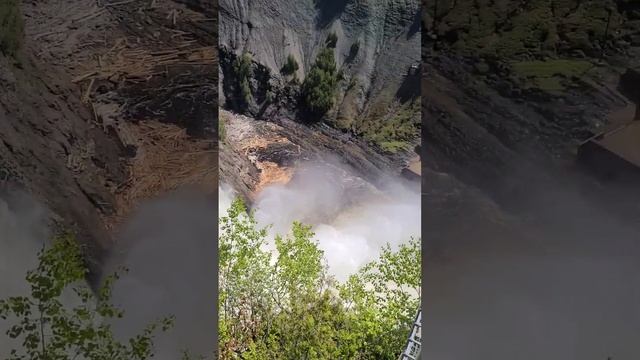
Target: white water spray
351,219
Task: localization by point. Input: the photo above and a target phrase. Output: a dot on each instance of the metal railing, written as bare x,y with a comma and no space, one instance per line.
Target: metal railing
414,343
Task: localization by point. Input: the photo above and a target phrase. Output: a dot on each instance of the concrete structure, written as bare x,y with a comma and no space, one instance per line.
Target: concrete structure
614,155
630,87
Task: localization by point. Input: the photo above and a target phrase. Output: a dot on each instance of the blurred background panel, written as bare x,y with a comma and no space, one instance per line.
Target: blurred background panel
108,125
530,187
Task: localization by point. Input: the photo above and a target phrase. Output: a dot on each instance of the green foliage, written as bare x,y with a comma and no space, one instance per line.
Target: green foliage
243,70
49,329
332,40
291,66
294,80
353,51
566,68
383,298
11,27
245,281
511,30
394,132
221,130
355,48
353,82
285,305
270,96
320,85
549,75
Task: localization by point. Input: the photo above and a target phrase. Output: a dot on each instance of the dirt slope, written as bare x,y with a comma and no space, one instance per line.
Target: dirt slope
114,102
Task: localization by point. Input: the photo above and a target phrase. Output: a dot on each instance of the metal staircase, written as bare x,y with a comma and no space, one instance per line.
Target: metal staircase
412,350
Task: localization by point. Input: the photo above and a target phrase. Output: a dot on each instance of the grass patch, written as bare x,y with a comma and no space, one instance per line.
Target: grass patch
550,84
549,75
393,146
395,132
11,27
221,130
566,68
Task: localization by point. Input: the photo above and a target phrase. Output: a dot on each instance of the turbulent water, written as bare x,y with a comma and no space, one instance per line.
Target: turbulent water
351,230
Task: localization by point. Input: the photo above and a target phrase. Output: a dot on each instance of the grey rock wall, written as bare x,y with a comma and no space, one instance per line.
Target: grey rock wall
388,33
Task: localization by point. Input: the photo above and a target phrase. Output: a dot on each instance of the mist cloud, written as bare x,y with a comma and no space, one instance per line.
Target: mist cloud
169,247
23,230
562,282
351,218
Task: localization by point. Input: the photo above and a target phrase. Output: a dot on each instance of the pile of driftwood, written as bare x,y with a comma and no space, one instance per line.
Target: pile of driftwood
123,66
122,62
167,159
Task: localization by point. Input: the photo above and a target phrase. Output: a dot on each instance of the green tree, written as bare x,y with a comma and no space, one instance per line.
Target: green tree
285,306
242,68
245,281
332,40
49,329
290,67
382,300
319,86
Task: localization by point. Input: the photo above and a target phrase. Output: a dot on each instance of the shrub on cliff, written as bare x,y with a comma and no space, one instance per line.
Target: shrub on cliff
11,27
242,68
221,131
319,86
332,40
291,66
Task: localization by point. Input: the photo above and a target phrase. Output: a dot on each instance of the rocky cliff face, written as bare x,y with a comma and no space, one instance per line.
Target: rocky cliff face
377,45
256,154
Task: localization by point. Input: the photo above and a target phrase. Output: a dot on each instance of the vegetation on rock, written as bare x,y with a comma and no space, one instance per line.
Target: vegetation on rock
332,40
393,129
243,70
221,130
291,66
284,305
549,74
550,42
508,29
319,87
353,51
